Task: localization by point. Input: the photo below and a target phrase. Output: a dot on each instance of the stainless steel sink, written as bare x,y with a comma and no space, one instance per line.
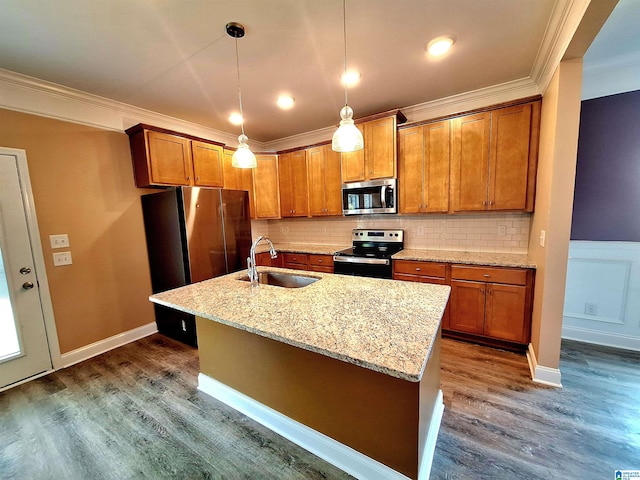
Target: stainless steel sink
286,280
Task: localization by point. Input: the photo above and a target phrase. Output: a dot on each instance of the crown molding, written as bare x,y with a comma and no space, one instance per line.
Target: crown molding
31,95
563,23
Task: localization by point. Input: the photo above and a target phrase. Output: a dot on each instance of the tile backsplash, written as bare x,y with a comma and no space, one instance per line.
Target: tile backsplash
505,232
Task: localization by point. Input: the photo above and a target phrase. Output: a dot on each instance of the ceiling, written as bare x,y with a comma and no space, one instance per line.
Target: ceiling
174,57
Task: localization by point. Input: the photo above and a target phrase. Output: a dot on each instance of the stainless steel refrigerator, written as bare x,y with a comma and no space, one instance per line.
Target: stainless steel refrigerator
193,234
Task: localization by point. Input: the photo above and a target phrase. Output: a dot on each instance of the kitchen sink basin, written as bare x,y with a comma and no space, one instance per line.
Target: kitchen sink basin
286,280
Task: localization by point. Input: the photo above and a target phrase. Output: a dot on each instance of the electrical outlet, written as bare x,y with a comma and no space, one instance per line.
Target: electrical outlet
502,230
543,236
59,241
591,308
62,258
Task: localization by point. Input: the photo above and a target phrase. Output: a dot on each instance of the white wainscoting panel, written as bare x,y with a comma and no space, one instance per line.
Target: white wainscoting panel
602,297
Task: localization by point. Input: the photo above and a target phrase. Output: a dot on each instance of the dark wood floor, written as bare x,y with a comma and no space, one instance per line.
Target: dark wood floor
135,413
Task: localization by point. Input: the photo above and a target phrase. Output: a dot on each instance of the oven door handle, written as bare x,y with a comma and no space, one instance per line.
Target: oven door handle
361,260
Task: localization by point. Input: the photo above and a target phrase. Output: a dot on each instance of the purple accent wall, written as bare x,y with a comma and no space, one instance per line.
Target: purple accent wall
606,205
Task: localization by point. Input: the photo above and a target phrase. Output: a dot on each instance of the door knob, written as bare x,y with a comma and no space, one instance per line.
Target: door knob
25,270
27,285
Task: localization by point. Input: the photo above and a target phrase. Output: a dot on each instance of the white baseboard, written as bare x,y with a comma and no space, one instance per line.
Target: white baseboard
334,452
97,348
616,340
540,374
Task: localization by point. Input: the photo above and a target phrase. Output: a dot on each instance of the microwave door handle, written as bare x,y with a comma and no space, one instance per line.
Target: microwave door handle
383,196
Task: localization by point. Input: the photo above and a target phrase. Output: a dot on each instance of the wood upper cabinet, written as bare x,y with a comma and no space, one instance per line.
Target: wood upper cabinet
492,302
266,188
207,164
423,168
325,188
238,179
494,159
292,167
162,158
378,159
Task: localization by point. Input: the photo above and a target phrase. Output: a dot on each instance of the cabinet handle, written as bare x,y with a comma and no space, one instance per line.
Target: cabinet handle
197,179
490,202
486,275
417,269
484,203
319,260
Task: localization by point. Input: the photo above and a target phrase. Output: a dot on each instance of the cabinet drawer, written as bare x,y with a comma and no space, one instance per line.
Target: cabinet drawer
512,276
423,269
297,258
317,268
321,260
419,279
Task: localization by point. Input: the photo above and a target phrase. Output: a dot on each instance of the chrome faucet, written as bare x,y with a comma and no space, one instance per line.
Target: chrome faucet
251,259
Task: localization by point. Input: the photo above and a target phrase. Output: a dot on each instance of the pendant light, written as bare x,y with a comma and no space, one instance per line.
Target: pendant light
347,138
243,156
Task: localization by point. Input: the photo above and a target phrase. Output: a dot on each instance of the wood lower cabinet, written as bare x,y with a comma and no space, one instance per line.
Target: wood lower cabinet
292,168
266,187
494,159
264,259
492,302
296,261
165,158
325,187
320,263
423,168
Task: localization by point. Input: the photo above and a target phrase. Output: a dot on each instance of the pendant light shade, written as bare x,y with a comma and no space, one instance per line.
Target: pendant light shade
348,138
243,156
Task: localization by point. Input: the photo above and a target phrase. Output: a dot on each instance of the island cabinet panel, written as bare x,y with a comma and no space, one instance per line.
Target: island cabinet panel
296,261
423,168
492,302
378,158
494,159
207,164
325,188
292,168
346,402
320,263
266,188
238,179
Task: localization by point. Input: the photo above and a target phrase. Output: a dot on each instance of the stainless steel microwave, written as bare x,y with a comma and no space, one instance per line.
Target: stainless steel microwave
375,196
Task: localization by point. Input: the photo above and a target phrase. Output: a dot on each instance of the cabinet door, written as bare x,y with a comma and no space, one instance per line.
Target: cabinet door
315,173
411,170
467,306
506,312
353,164
332,184
207,164
436,166
265,187
293,184
169,159
509,158
470,162
238,179
380,148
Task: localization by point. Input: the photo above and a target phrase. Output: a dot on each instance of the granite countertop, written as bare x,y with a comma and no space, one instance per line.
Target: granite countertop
302,248
492,259
383,325
469,258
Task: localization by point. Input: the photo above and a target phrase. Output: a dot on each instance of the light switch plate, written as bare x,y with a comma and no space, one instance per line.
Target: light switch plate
543,236
59,241
62,258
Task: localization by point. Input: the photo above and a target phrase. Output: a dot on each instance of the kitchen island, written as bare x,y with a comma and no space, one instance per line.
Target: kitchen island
347,367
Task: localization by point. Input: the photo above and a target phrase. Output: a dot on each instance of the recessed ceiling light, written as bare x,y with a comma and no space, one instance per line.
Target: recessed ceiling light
236,119
350,78
285,102
440,45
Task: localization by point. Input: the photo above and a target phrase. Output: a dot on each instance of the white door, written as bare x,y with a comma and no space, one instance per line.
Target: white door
24,349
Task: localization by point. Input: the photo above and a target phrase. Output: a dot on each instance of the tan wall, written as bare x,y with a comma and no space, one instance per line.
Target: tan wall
554,203
82,182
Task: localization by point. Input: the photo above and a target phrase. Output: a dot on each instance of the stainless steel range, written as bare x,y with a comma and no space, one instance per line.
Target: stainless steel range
370,255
